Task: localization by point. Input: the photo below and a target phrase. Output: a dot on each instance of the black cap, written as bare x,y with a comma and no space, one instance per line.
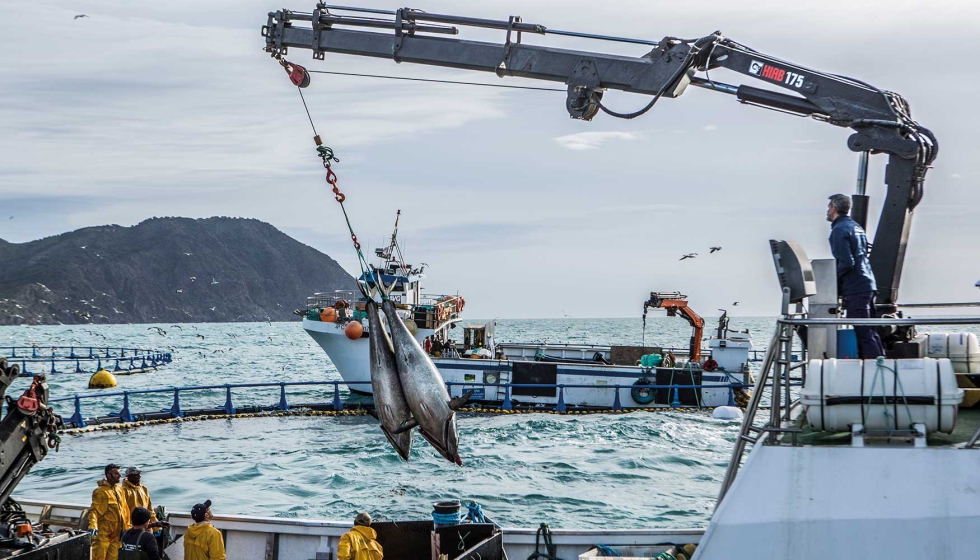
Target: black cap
140,516
198,511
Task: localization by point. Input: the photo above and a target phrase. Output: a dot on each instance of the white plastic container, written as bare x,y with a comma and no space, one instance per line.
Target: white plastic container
838,394
962,349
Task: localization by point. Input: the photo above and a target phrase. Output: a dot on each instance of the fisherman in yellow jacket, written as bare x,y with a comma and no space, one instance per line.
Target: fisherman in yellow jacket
136,494
360,543
202,541
109,516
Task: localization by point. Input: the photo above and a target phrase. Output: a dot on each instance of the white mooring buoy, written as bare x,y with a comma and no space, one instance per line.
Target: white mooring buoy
727,413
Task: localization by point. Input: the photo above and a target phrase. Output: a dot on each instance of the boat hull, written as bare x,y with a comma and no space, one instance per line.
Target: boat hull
584,384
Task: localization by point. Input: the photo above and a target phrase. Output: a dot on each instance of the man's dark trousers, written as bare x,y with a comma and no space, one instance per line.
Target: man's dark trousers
862,306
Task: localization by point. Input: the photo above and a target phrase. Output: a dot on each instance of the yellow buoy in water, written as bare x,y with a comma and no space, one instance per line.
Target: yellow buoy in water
102,379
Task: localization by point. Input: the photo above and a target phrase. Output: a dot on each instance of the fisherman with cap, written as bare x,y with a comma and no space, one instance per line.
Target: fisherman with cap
137,543
137,496
202,541
361,542
108,516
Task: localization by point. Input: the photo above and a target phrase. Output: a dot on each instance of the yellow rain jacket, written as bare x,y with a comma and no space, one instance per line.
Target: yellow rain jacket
203,542
360,544
109,515
138,496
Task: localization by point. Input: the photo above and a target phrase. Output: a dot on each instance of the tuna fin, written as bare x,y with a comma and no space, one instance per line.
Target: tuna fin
373,413
460,401
406,425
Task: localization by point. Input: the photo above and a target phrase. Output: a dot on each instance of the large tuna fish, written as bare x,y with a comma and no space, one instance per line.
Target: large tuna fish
424,390
389,400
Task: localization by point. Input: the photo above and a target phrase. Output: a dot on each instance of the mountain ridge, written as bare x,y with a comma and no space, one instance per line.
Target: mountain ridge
169,269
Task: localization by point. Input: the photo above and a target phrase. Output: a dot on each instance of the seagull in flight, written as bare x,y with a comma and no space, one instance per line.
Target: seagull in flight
689,256
179,291
977,284
160,331
714,249
201,336
213,308
80,16
213,281
193,278
565,314
188,254
736,303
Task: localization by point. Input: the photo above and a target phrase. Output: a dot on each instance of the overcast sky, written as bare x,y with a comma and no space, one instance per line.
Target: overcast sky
173,109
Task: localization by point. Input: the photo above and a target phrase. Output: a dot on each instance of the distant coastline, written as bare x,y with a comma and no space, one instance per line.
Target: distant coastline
163,270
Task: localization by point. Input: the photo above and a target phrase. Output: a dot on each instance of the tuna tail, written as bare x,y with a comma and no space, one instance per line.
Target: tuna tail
458,402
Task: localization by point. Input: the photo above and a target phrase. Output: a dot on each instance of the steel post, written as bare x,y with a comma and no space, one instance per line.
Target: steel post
175,410
337,403
283,405
125,415
76,418
229,409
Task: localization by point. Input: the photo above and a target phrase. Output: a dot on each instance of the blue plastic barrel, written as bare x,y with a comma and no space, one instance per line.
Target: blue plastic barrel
847,344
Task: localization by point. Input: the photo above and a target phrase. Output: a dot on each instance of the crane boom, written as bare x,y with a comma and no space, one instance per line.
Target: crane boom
881,120
674,303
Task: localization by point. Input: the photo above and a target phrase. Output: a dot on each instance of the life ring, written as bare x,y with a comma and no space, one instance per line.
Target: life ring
642,393
710,365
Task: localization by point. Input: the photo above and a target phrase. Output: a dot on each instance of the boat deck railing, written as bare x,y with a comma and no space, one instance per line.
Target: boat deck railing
336,402
755,355
328,299
773,383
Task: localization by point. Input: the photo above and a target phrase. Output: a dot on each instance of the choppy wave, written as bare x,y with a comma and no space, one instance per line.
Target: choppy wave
642,469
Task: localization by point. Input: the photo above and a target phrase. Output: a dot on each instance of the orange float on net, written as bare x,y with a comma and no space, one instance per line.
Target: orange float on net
328,315
353,330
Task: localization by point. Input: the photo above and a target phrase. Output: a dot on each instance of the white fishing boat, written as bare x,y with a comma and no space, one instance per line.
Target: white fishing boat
528,374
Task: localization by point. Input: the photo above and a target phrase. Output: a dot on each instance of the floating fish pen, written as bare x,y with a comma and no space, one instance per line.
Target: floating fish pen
85,359
681,397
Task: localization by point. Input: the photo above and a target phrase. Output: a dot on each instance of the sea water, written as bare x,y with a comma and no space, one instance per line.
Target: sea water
643,469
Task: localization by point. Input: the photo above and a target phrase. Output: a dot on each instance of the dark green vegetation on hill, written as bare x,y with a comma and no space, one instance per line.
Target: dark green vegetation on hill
163,270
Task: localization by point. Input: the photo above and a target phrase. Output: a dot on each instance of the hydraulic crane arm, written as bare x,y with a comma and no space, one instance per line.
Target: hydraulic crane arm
26,432
881,120
674,303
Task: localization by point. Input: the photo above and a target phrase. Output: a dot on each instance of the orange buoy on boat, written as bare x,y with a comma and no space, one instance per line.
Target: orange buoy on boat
328,315
353,330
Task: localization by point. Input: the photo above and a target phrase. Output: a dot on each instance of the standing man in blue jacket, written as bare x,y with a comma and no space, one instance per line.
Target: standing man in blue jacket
856,282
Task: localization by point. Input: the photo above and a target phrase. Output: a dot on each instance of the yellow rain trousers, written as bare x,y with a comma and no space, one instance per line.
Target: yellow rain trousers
138,496
109,515
360,544
203,542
